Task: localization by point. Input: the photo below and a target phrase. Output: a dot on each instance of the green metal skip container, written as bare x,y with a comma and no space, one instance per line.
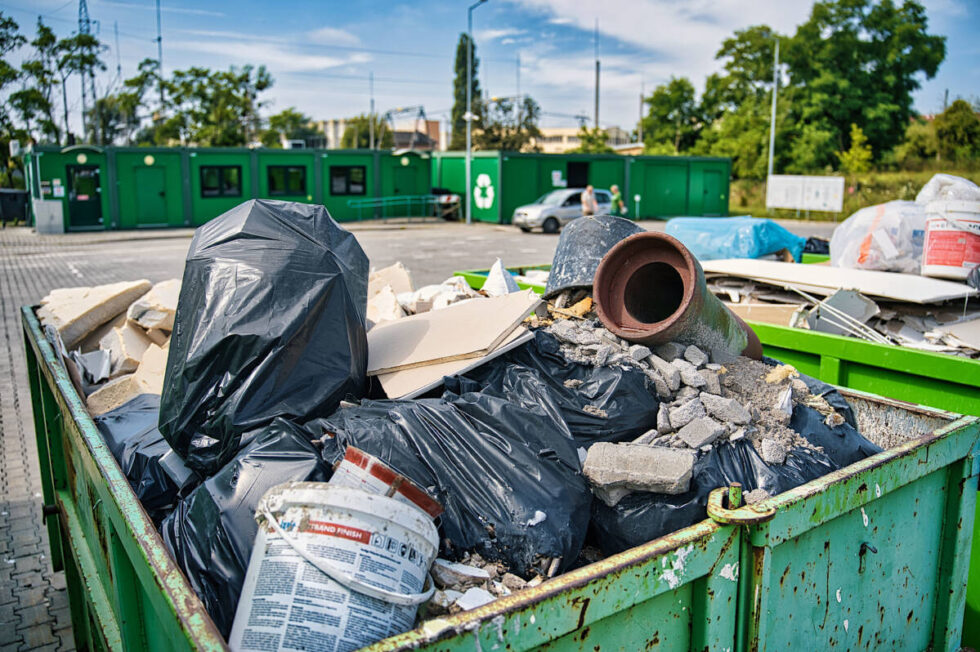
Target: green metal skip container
873,555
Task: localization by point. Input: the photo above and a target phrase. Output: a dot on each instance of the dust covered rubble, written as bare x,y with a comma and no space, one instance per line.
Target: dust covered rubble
702,403
473,582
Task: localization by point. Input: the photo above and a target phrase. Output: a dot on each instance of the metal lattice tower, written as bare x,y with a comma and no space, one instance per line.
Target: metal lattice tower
88,76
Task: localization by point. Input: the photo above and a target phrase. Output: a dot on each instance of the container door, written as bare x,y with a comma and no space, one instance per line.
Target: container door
151,196
665,194
84,197
577,174
714,196
404,181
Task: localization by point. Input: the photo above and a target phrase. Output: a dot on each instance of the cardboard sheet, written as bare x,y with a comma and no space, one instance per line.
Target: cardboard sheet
767,313
827,280
471,329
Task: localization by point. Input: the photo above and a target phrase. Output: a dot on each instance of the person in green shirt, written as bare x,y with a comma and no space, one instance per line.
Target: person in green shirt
618,208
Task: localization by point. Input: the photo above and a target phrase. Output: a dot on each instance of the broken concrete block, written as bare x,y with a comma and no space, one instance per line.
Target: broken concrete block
449,574
726,410
384,306
663,391
571,331
639,352
695,356
396,276
686,392
738,434
670,351
663,419
689,373
755,496
76,312
148,379
773,452
646,438
572,383
701,431
615,468
512,582
670,373
603,353
595,411
156,308
126,346
711,383
681,415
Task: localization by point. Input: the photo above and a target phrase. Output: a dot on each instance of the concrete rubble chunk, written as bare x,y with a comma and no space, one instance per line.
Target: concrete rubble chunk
681,415
695,356
76,312
686,393
126,346
156,308
646,438
569,331
614,468
663,419
513,582
738,434
711,383
701,431
450,574
573,383
755,496
603,353
773,452
670,373
689,373
663,390
148,379
670,351
638,352
726,410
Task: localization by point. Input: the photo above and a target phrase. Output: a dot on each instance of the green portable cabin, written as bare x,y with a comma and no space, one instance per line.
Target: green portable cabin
152,187
652,186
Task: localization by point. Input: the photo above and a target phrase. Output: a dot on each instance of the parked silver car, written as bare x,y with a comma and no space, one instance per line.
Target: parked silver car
556,209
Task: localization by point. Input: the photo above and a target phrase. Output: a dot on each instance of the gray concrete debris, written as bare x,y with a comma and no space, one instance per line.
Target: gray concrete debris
695,356
701,431
663,390
738,434
711,382
663,419
603,353
773,452
689,373
670,373
755,496
513,582
706,448
638,352
670,351
726,410
713,366
646,438
681,415
569,331
615,468
449,574
573,383
595,411
686,393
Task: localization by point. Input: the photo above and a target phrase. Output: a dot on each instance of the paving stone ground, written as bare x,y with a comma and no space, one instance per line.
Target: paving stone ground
34,610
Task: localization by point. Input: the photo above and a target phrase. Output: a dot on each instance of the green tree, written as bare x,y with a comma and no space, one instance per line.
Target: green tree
10,40
672,116
34,100
289,124
506,128
920,143
592,141
458,138
957,131
857,158
357,133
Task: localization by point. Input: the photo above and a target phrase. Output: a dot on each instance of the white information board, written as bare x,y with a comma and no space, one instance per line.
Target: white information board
805,193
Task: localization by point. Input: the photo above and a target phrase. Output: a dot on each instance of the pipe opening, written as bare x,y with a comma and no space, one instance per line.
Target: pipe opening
653,293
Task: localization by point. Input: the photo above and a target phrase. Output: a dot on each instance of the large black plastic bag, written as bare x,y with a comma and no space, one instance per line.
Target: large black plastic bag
156,474
270,323
211,532
843,444
534,375
509,477
642,517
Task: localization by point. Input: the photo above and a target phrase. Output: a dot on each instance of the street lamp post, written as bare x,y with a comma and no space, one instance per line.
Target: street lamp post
469,109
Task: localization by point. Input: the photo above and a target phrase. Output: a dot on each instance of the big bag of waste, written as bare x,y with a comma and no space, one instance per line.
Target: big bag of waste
713,238
211,532
508,476
887,237
270,323
622,400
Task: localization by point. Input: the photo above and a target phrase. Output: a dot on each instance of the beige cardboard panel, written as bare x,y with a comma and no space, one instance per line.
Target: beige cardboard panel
769,313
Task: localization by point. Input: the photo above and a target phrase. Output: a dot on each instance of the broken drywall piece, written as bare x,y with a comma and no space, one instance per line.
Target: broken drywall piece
148,379
767,313
76,312
396,276
91,342
499,281
126,346
156,308
458,332
967,332
849,302
383,306
433,297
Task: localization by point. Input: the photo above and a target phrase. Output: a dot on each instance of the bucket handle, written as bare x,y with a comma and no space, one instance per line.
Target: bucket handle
341,576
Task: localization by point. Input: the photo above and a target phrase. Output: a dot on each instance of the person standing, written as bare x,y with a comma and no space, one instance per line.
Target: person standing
618,208
589,205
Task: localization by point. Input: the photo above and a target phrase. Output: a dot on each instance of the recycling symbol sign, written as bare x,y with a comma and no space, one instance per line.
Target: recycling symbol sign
483,192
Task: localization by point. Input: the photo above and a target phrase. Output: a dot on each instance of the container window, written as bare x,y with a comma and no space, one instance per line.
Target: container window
348,180
221,181
287,180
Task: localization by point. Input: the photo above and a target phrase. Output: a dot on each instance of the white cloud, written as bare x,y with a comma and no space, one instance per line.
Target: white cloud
163,8
272,56
494,34
334,36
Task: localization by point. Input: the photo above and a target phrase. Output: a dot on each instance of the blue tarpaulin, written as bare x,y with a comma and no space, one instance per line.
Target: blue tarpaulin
713,238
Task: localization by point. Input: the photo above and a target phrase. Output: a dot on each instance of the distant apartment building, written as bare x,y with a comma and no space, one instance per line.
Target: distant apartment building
426,135
557,140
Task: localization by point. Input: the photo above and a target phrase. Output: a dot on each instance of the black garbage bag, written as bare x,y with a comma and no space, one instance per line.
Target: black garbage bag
270,323
641,517
508,476
535,374
211,532
843,444
157,475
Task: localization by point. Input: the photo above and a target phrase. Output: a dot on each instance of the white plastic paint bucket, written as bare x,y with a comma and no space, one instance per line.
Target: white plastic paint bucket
333,568
952,244
361,470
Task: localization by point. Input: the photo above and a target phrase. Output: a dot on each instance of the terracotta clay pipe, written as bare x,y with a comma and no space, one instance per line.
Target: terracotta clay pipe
650,289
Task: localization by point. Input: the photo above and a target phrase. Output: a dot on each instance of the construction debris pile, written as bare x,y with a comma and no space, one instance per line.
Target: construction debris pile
315,415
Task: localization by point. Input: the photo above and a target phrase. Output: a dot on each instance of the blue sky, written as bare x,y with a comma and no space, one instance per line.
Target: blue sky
320,53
